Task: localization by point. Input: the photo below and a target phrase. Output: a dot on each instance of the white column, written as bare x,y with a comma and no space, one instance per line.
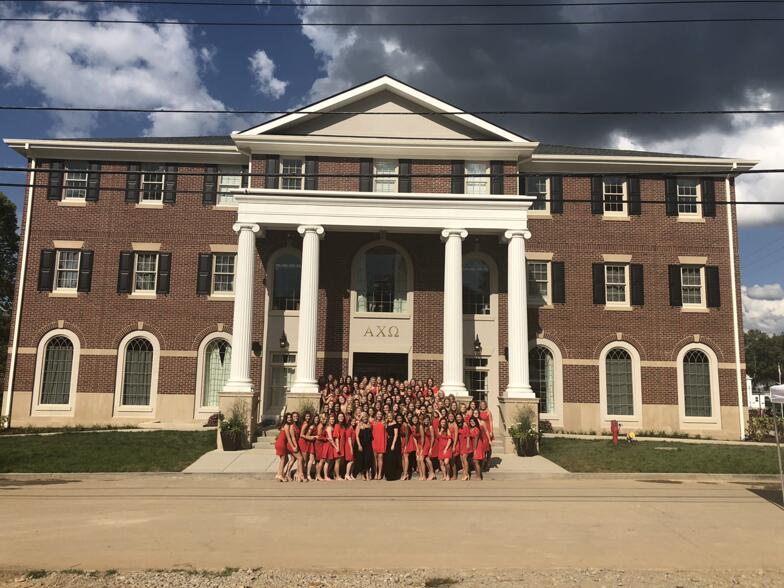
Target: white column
305,379
242,323
453,312
517,309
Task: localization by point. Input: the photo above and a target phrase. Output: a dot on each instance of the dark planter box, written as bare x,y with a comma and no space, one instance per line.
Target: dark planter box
526,447
231,441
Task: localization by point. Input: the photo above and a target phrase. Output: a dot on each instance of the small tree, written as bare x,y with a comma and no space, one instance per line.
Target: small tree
9,250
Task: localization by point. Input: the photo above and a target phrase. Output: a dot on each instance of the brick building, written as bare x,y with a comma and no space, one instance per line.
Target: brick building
161,278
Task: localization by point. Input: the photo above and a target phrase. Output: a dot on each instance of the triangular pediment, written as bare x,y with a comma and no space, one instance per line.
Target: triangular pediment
384,108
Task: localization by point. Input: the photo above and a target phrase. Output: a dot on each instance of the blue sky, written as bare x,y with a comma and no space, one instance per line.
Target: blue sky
475,68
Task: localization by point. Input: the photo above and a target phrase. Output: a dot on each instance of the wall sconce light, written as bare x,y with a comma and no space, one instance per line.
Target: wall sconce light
284,342
256,348
477,344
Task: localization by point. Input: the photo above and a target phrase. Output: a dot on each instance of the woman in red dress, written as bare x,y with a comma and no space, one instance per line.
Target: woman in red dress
331,447
444,448
486,419
475,436
306,439
453,429
321,446
406,438
379,443
434,446
428,441
462,444
348,447
339,435
295,456
281,443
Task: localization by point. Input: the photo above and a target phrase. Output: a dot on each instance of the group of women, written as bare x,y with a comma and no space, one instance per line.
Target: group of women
374,429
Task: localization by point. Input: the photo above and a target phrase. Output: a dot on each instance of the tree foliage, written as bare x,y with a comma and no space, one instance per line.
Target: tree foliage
9,249
763,353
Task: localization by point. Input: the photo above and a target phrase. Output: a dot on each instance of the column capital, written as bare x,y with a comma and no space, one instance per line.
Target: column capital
446,233
317,229
247,227
512,233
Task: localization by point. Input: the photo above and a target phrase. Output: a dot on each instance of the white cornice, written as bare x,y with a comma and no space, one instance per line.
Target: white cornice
631,164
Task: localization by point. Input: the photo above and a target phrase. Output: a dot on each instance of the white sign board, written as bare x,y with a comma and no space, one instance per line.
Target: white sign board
777,394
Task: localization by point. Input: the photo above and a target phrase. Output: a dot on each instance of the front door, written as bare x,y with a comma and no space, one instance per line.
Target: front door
385,365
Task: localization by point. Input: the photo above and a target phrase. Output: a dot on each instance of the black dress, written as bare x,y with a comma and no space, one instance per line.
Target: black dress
393,458
364,458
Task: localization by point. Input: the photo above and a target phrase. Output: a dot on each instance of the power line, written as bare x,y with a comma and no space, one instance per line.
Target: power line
419,24
255,4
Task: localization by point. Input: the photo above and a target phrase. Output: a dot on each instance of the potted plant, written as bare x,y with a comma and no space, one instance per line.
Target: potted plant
233,430
525,434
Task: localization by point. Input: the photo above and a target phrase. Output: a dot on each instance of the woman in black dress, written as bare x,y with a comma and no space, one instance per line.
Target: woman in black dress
364,457
393,460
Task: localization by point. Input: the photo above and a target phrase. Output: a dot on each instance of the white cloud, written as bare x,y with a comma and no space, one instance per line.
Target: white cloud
763,314
766,292
111,65
263,69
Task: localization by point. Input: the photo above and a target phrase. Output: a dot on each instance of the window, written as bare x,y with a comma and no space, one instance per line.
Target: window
697,384
614,195
223,273
75,180
286,275
616,284
619,385
385,167
217,367
542,377
230,178
692,291
152,183
383,280
688,196
475,374
137,372
476,287
145,273
67,269
477,185
291,174
56,375
538,186
538,283
284,366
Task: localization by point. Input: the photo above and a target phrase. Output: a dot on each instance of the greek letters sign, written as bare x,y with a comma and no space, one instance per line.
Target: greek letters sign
382,332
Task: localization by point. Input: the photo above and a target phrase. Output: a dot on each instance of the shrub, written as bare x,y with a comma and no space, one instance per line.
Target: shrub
235,424
545,427
760,428
214,420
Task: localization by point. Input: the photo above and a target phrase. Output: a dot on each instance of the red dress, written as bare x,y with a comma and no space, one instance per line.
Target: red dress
304,444
444,449
339,437
434,447
348,443
427,442
379,437
463,438
321,442
478,439
410,445
484,416
281,443
329,449
295,430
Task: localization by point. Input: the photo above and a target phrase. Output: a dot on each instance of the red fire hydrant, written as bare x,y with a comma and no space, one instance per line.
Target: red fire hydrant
615,428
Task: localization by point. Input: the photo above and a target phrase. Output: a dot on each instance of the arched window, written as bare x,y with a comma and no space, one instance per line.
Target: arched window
382,280
217,366
697,384
476,286
619,386
286,275
137,372
56,375
542,377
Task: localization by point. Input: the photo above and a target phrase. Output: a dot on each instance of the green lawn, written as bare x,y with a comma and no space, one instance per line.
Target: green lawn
578,455
158,451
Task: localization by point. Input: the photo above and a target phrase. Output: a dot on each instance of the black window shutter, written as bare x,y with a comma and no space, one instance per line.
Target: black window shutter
245,179
713,294
556,194
311,173
365,175
271,172
164,273
46,271
598,284
132,183
204,279
635,206
522,183
404,179
638,284
55,181
671,196
170,184
209,195
458,176
496,177
85,272
597,195
559,284
125,272
676,296
708,197
93,181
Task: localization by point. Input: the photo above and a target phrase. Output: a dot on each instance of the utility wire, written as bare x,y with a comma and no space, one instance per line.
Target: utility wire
256,4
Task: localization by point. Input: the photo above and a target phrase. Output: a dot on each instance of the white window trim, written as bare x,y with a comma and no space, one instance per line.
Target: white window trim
485,180
555,418
153,291
199,411
121,410
39,409
395,178
627,291
149,201
703,302
66,173
55,287
213,293
487,369
688,215
490,262
409,282
271,279
692,422
621,213
281,177
221,174
546,210
270,368
635,420
531,303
